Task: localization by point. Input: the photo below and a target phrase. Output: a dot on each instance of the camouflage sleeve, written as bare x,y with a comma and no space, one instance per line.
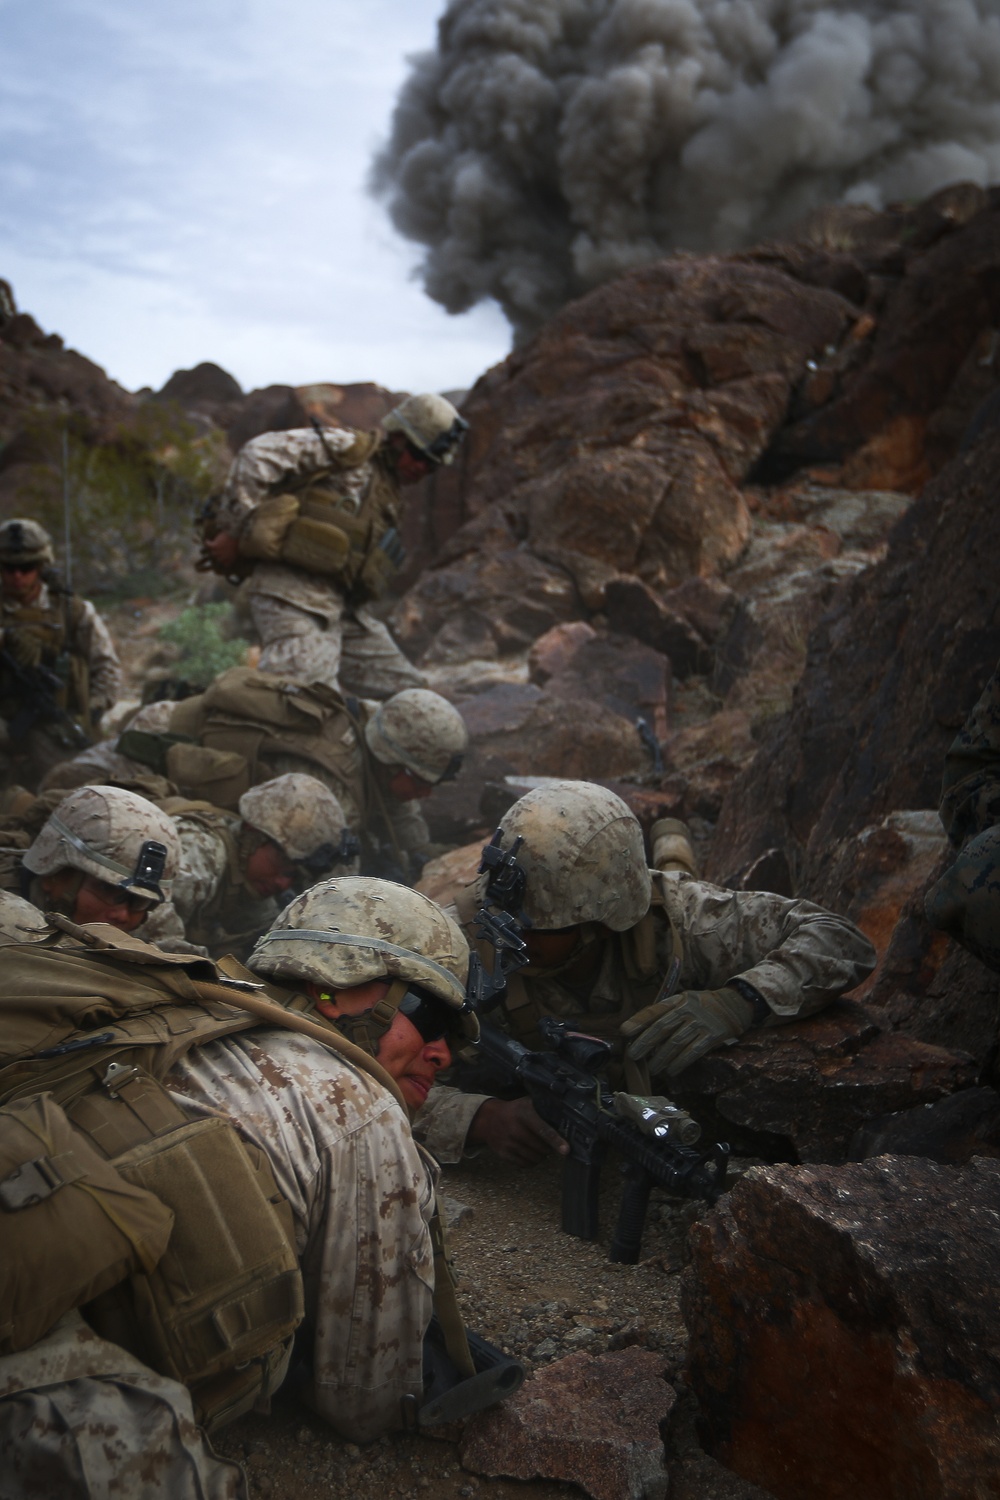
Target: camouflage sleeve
408,825
443,1121
94,644
63,1399
270,459
798,956
970,788
203,864
362,1197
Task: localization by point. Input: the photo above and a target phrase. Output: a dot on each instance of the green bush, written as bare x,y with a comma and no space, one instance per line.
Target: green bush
205,648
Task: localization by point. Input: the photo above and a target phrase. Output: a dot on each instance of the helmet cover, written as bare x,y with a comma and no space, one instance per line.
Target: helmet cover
101,830
583,856
420,730
431,424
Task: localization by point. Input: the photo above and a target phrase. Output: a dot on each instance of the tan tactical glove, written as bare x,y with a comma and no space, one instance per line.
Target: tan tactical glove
674,1033
24,646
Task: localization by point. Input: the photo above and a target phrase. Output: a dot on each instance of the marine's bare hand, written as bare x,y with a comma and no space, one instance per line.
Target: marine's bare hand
224,549
513,1129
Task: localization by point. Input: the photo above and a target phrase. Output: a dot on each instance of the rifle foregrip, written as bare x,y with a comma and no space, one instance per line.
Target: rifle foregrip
631,1217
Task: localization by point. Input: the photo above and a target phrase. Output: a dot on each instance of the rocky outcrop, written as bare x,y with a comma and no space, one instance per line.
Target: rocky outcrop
590,1420
800,1092
44,388
844,1330
211,397
617,440
893,668
896,407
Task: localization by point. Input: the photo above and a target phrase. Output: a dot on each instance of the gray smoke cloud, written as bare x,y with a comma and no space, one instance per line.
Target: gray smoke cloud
547,145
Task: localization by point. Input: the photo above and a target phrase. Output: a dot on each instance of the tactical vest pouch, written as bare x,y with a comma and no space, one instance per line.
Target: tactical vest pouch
148,747
71,1226
379,568
317,546
264,535
254,697
228,1289
211,775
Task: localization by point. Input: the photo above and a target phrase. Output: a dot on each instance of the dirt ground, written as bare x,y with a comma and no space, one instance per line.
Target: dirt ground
537,1293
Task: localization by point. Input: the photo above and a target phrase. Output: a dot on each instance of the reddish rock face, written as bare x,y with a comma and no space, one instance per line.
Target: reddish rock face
893,667
872,876
616,441
591,1420
844,1330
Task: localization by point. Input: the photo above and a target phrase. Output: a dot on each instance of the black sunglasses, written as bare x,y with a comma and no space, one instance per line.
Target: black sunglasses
432,1018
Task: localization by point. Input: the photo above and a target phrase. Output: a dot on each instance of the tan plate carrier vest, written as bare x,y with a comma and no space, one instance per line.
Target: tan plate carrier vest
168,1230
57,629
311,524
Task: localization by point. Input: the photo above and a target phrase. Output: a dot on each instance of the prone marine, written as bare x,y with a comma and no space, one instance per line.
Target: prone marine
245,1133
663,965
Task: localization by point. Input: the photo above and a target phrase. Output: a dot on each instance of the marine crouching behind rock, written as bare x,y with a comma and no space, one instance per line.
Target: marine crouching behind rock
663,965
253,1144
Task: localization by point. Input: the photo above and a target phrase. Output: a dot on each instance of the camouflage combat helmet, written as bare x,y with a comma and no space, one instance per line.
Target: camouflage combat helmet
353,929
301,815
114,835
20,922
582,855
26,544
420,730
431,423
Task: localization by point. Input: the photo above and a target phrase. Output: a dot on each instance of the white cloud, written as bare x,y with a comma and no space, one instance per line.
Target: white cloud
186,181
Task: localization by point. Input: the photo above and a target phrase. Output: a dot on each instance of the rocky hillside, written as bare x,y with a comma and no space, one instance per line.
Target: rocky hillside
697,483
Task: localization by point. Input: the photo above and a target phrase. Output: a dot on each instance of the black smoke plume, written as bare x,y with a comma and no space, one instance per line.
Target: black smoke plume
547,145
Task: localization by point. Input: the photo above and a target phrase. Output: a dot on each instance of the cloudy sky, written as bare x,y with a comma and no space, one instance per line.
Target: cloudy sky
183,180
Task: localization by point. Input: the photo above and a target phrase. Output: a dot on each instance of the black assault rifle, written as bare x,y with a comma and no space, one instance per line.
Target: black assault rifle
654,1138
35,688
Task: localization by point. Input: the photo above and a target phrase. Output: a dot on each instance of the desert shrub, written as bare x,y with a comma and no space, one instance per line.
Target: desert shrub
205,648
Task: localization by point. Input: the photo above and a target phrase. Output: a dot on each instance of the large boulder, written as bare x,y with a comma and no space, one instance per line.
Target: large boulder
844,1330
802,1091
893,668
617,440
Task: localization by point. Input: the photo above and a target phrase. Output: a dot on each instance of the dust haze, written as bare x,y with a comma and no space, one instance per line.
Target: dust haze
547,145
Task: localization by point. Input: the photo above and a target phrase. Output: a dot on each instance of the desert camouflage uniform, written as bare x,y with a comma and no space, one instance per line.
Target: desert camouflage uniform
965,902
87,638
81,1418
362,1196
216,906
307,628
798,956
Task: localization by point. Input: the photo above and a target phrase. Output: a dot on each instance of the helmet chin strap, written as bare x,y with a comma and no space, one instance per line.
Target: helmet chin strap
367,1030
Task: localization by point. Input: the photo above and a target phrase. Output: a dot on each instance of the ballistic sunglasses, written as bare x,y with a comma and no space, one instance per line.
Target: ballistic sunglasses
431,1016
